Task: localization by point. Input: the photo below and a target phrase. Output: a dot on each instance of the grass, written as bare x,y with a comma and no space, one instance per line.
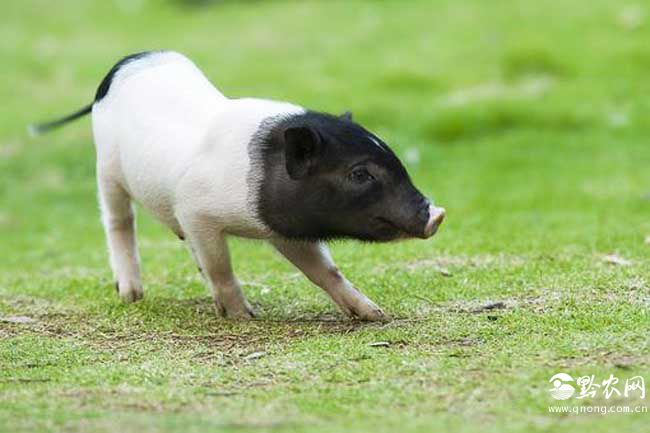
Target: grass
526,120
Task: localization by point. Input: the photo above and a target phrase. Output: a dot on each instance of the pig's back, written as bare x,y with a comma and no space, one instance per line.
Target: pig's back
151,121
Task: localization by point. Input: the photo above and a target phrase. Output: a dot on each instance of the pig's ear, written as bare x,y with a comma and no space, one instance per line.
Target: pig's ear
346,116
302,145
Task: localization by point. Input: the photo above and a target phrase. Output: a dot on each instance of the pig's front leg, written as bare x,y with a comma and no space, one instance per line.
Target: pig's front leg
211,253
315,261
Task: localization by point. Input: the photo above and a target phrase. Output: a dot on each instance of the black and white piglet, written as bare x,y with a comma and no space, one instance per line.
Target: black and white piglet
208,166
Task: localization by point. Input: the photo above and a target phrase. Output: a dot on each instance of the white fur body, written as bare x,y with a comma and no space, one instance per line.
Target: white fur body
177,145
167,138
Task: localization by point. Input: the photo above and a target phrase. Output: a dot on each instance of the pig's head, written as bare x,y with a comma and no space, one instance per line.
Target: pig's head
326,177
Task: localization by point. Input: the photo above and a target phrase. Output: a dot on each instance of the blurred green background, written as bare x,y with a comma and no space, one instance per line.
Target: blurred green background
527,120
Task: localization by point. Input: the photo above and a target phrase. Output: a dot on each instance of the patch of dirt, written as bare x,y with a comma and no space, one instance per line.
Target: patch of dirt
446,264
537,303
615,259
614,359
207,338
16,319
464,342
490,306
210,339
25,380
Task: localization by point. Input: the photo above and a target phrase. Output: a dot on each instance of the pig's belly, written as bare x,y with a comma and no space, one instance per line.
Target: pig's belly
150,179
156,201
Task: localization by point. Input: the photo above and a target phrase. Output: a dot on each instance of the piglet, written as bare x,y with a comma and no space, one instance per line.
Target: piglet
209,167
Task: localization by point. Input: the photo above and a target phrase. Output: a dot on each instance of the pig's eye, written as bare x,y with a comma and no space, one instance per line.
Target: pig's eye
360,175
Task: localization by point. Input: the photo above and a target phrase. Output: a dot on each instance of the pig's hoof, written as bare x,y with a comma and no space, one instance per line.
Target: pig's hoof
373,315
237,312
241,314
128,293
368,312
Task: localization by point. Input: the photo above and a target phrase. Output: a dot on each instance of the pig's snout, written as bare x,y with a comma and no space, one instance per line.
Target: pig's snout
436,216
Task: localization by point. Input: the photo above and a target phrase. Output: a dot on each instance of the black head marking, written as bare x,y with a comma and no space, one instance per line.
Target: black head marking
315,176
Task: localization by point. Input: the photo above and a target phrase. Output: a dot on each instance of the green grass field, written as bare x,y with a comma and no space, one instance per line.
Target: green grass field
527,120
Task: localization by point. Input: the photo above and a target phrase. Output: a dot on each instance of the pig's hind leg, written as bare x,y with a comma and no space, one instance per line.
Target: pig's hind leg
119,224
315,261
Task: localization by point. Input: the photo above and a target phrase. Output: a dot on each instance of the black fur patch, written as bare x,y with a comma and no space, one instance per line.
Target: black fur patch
329,197
105,85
